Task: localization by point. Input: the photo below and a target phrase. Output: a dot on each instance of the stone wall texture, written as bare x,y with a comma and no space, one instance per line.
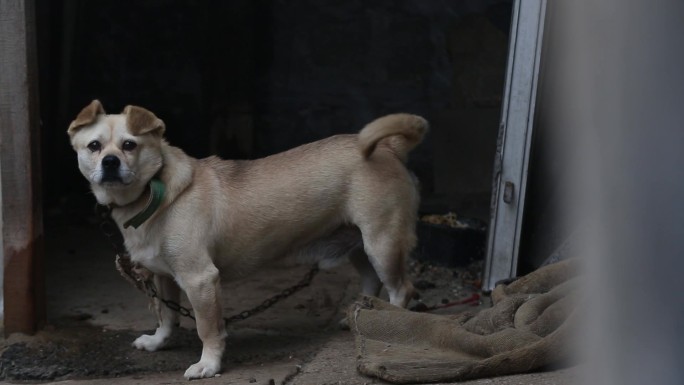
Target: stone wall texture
248,78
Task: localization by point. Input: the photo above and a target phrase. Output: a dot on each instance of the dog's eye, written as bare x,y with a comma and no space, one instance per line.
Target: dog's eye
94,146
129,145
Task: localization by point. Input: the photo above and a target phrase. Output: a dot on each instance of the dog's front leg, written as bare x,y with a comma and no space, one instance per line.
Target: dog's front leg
168,319
204,292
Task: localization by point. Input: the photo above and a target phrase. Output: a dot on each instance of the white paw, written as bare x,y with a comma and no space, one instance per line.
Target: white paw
202,369
150,343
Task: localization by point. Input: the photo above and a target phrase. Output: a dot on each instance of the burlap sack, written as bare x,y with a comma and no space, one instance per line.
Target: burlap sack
527,328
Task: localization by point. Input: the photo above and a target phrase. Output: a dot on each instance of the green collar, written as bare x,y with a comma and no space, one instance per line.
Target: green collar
157,190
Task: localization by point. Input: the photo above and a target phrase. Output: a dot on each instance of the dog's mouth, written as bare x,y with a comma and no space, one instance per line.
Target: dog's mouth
114,180
109,178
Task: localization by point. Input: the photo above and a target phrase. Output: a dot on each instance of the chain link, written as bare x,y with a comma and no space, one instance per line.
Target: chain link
151,292
110,229
306,281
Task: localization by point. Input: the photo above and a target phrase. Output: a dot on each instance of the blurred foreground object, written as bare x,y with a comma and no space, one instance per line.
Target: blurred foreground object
619,85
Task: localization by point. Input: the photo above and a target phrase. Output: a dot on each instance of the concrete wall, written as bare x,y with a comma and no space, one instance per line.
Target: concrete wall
333,68
248,78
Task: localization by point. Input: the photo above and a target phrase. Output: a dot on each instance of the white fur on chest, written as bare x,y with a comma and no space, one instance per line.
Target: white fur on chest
145,249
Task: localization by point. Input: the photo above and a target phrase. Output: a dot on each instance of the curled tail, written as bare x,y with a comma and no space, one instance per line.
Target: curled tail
403,133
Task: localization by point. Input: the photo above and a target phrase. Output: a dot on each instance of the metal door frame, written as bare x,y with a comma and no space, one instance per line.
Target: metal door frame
515,137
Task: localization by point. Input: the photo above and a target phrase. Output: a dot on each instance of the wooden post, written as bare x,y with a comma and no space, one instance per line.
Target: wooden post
22,222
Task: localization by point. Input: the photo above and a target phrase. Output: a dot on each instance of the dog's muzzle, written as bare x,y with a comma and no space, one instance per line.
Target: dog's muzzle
110,169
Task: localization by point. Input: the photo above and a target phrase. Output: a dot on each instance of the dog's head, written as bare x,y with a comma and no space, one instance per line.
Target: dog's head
117,152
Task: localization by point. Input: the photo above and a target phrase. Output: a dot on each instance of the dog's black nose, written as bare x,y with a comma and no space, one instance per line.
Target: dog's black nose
110,162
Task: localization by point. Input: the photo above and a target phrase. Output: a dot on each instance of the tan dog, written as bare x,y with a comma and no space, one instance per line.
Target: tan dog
344,196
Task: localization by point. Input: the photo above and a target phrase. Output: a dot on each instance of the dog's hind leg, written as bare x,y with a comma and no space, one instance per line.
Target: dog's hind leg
168,319
370,282
388,248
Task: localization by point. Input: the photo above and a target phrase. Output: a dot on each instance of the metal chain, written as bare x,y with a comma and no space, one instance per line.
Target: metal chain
151,292
110,229
306,281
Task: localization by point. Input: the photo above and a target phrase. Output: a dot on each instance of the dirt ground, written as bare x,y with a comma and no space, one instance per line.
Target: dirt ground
94,315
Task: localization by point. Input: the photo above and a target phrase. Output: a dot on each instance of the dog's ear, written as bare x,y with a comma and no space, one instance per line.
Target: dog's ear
87,116
141,121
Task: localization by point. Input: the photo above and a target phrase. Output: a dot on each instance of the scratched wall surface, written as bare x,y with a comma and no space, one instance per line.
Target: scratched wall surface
332,69
250,78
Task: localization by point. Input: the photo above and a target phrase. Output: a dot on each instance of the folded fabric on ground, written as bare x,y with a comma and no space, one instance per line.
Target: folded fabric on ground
528,328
